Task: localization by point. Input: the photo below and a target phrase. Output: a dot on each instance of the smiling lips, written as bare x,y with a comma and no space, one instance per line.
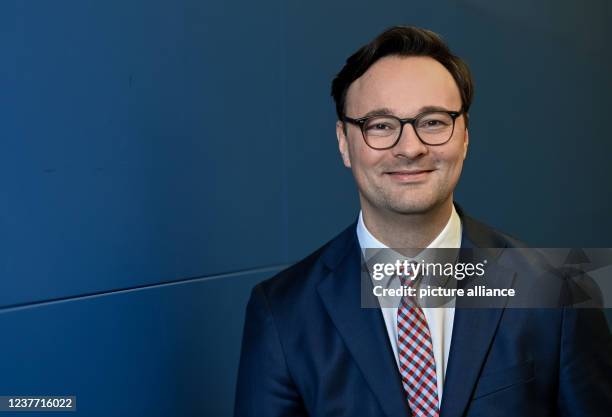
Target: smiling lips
409,175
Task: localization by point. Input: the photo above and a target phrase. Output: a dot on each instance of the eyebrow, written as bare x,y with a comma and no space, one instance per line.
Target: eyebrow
385,111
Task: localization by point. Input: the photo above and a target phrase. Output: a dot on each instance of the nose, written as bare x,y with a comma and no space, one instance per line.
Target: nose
409,145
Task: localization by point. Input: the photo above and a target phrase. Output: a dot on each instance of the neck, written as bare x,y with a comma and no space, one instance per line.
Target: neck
415,230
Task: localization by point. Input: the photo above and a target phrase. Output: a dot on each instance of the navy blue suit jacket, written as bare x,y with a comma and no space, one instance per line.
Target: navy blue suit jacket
309,349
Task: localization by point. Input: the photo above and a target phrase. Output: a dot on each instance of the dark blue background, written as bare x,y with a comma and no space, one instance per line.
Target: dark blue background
158,158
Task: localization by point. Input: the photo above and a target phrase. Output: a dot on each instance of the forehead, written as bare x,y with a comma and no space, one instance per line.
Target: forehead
404,85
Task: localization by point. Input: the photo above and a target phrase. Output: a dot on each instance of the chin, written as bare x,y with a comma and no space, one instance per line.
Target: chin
404,203
411,208
415,205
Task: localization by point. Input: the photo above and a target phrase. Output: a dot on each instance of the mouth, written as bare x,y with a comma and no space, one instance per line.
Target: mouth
409,175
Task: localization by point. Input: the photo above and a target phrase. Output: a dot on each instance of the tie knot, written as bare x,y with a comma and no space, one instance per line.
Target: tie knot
407,273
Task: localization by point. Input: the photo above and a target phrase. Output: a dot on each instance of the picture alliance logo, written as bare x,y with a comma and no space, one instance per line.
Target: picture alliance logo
413,270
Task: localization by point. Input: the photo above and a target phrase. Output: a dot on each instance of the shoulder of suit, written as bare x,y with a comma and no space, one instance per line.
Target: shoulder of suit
303,276
485,236
513,253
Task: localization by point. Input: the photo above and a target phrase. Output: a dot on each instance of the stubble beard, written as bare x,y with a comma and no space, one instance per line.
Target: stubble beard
413,200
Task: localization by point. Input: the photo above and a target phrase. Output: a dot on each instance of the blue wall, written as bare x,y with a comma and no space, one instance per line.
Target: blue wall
158,158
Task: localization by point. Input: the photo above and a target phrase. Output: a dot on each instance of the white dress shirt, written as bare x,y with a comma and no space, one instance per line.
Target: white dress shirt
439,319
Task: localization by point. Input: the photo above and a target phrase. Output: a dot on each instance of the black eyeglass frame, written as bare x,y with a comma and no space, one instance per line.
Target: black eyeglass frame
410,120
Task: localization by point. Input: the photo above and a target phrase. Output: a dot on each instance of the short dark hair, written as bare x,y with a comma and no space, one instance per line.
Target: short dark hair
402,41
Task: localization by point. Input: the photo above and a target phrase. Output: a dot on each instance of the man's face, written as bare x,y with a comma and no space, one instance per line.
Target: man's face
411,177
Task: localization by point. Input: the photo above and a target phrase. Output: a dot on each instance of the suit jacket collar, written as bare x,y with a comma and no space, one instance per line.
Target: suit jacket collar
473,328
365,335
362,329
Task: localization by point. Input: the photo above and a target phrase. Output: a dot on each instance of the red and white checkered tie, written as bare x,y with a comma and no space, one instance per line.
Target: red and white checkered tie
416,359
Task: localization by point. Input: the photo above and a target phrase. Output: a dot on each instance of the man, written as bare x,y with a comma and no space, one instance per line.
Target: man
311,349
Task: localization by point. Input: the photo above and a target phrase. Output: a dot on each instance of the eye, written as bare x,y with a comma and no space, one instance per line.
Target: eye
433,123
379,126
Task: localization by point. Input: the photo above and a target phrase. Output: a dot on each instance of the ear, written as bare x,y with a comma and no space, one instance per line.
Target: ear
343,144
466,142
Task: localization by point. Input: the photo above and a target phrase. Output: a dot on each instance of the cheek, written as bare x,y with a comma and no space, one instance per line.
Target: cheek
365,160
451,160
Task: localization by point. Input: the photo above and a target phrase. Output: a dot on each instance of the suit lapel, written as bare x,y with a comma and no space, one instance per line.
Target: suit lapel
473,330
362,329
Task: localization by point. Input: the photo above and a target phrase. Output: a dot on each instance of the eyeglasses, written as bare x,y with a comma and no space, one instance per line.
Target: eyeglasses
433,128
